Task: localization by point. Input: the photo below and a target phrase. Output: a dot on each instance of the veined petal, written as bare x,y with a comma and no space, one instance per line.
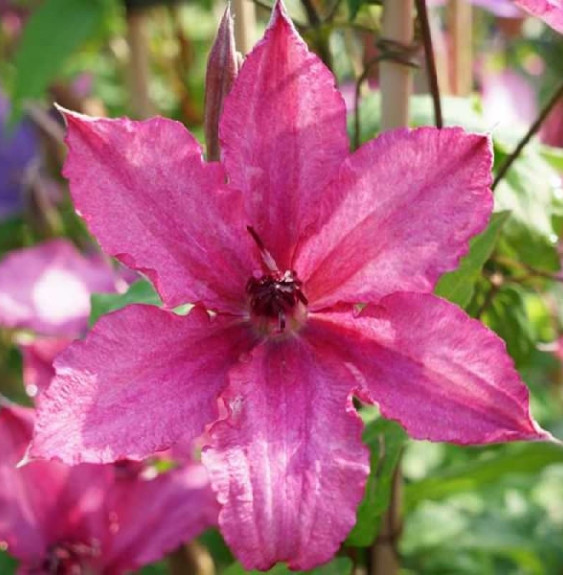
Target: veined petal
283,135
47,288
143,379
409,203
441,374
288,463
153,203
550,11
155,516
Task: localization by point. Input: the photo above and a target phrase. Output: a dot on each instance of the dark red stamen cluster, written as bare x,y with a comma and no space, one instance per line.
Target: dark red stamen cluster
275,295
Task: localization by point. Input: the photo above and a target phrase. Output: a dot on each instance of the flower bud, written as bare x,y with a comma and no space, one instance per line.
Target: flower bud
222,69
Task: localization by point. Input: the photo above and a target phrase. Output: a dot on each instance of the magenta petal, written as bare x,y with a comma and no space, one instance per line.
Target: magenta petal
550,11
143,379
153,203
288,463
441,374
47,288
409,203
38,356
43,501
283,135
155,516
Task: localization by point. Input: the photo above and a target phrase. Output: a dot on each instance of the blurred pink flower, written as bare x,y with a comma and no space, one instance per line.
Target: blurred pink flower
501,8
552,128
281,250
509,100
550,11
38,355
92,518
46,288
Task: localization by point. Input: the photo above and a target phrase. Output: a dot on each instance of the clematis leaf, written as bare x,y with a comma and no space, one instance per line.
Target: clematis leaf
8,565
139,292
508,317
458,286
470,476
531,191
385,440
43,48
338,566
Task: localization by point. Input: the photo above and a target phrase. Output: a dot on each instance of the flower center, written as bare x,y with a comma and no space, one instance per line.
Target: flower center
276,299
68,559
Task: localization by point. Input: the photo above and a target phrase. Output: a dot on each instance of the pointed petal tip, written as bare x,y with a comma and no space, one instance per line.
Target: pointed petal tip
279,12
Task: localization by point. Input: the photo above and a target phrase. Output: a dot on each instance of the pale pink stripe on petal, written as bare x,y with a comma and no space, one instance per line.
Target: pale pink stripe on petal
143,379
409,203
441,374
288,462
283,135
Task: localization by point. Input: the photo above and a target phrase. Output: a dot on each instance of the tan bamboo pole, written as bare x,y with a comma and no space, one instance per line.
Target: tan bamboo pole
395,78
460,26
139,67
245,25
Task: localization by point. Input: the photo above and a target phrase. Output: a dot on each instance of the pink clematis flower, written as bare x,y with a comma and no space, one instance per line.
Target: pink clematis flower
46,289
281,241
550,11
92,518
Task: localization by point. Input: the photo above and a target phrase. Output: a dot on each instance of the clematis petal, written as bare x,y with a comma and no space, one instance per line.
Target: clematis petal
152,202
283,135
43,501
441,374
152,517
47,288
550,11
38,356
288,463
409,203
143,379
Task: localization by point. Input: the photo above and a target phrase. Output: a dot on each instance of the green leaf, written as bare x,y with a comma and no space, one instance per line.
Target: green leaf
508,317
531,191
385,440
339,566
553,156
139,292
8,565
353,8
458,286
53,32
527,458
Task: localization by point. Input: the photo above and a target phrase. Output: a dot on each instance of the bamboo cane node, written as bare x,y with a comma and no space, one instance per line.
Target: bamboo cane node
399,53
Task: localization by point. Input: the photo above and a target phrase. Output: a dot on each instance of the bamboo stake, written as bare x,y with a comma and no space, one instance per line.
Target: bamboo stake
396,79
245,25
461,49
141,105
